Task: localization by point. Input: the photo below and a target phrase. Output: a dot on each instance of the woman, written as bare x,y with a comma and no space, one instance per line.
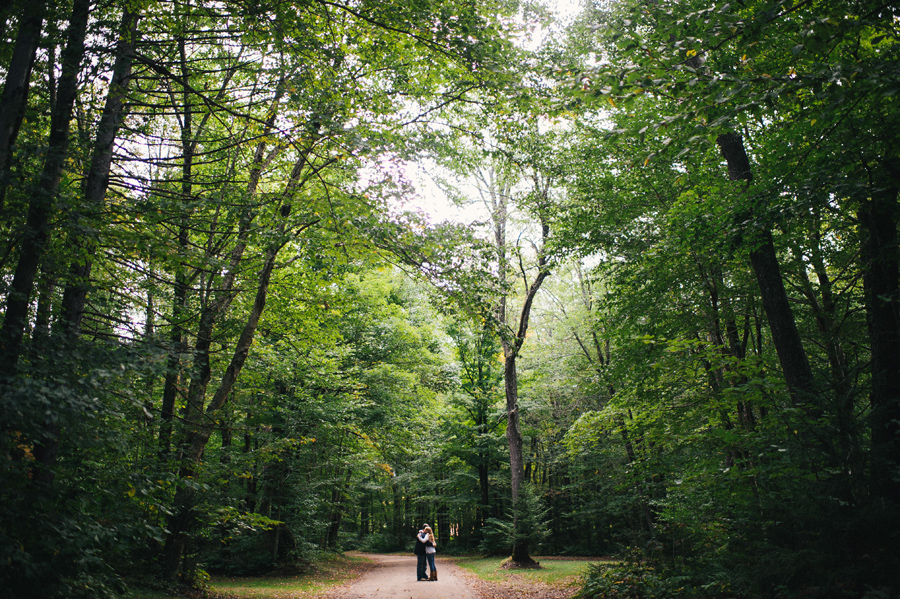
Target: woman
430,550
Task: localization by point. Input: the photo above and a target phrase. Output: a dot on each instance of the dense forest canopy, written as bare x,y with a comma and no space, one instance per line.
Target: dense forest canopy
234,337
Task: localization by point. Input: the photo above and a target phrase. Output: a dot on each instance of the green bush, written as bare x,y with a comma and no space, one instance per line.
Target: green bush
526,523
640,580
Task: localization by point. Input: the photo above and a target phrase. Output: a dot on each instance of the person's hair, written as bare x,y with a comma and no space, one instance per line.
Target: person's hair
430,535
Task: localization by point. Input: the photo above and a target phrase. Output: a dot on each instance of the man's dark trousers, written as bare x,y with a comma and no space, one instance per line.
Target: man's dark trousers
419,550
420,567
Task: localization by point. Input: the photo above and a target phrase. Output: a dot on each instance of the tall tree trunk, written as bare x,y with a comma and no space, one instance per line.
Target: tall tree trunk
16,87
764,260
496,199
513,434
483,508
97,180
189,139
37,229
43,196
338,497
195,443
180,289
511,348
201,422
881,280
218,305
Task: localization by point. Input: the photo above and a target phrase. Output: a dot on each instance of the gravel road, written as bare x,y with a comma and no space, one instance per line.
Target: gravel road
394,577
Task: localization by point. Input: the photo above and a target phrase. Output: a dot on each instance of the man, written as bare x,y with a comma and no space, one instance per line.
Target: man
420,555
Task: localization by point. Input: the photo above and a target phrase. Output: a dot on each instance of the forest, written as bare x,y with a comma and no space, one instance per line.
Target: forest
286,278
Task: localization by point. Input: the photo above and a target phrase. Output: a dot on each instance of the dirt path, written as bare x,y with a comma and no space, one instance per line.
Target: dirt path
394,577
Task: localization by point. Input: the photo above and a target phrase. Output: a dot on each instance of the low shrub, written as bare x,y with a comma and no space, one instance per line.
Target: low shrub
642,580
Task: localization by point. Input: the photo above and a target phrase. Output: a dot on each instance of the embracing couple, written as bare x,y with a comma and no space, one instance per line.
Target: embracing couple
425,549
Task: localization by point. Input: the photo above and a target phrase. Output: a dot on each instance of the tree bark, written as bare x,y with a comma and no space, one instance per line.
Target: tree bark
97,180
16,88
513,434
196,440
788,345
497,202
511,348
43,196
764,260
180,285
37,229
881,282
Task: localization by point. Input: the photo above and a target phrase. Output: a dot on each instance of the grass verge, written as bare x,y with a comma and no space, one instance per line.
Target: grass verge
328,573
555,572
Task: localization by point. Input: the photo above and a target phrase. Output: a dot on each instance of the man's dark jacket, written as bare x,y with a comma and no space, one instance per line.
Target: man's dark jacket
420,547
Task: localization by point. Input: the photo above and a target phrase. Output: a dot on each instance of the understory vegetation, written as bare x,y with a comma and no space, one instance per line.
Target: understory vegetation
284,279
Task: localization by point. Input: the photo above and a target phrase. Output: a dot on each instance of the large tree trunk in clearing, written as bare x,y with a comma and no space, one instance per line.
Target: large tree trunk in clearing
511,348
513,434
520,550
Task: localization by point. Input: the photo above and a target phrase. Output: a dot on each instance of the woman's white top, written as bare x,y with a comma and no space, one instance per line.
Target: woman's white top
424,538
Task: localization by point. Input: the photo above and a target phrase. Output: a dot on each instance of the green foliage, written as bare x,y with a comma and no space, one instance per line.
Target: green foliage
383,543
716,468
655,419
525,523
255,140
636,579
71,540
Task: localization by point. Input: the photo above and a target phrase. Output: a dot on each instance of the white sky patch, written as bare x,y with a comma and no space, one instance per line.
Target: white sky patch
434,201
429,197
